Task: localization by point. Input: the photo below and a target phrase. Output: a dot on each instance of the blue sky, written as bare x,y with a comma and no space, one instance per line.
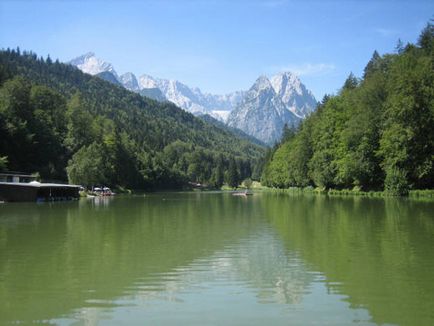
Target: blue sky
219,46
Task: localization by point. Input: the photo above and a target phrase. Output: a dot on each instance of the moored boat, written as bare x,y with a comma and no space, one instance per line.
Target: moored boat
101,191
242,193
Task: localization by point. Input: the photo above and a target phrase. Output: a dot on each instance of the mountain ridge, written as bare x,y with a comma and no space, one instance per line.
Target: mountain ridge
291,100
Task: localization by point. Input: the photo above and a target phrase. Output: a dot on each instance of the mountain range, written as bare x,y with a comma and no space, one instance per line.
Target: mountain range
261,112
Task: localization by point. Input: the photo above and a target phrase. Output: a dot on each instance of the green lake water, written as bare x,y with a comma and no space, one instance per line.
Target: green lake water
216,259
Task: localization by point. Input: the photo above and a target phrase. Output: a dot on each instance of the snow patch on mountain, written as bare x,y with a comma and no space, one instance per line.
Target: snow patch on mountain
296,97
146,81
262,111
192,99
90,64
221,115
130,82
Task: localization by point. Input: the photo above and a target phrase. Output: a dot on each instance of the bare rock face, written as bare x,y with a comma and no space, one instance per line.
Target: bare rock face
270,104
90,64
129,81
193,99
296,97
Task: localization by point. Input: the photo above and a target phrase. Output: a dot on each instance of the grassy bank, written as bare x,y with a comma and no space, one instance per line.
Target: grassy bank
427,193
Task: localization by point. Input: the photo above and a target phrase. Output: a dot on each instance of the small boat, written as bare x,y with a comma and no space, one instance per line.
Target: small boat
104,191
242,193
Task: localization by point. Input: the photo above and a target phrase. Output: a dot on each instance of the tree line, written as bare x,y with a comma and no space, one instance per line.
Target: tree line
67,125
377,133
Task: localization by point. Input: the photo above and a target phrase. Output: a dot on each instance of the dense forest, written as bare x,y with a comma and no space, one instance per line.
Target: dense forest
376,133
63,124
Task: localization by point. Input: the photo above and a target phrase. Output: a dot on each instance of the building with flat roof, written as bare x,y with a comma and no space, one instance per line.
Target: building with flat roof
17,186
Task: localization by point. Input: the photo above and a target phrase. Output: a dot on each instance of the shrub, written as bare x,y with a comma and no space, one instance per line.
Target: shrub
396,183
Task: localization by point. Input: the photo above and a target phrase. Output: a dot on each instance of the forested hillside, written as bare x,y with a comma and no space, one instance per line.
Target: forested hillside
62,123
377,133
233,130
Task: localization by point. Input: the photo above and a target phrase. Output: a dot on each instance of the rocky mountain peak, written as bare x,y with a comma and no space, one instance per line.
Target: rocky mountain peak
286,83
129,81
146,81
81,59
261,84
90,64
270,104
296,97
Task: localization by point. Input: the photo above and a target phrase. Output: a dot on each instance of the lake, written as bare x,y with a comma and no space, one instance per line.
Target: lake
215,259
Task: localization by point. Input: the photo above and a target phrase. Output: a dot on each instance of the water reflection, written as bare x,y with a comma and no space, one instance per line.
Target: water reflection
257,262
239,280
377,252
202,255
55,258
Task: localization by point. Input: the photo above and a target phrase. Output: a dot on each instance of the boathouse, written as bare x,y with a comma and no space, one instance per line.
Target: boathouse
18,187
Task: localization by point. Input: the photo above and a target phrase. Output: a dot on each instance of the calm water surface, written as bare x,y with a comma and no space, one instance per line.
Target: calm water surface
216,259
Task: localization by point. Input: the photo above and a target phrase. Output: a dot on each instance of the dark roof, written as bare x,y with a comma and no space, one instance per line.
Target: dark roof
39,185
16,173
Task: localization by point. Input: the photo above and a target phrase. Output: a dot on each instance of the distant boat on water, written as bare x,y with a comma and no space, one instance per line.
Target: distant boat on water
242,193
101,191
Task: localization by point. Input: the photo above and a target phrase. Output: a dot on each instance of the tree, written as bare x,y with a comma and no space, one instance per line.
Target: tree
3,162
88,166
407,139
426,38
396,183
373,65
49,128
80,128
287,133
299,157
232,176
217,178
265,166
146,167
16,136
248,183
399,47
351,82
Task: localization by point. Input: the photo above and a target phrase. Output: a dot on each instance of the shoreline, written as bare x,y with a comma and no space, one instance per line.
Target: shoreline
417,193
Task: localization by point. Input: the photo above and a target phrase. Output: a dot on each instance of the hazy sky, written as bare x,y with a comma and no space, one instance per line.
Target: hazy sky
219,46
